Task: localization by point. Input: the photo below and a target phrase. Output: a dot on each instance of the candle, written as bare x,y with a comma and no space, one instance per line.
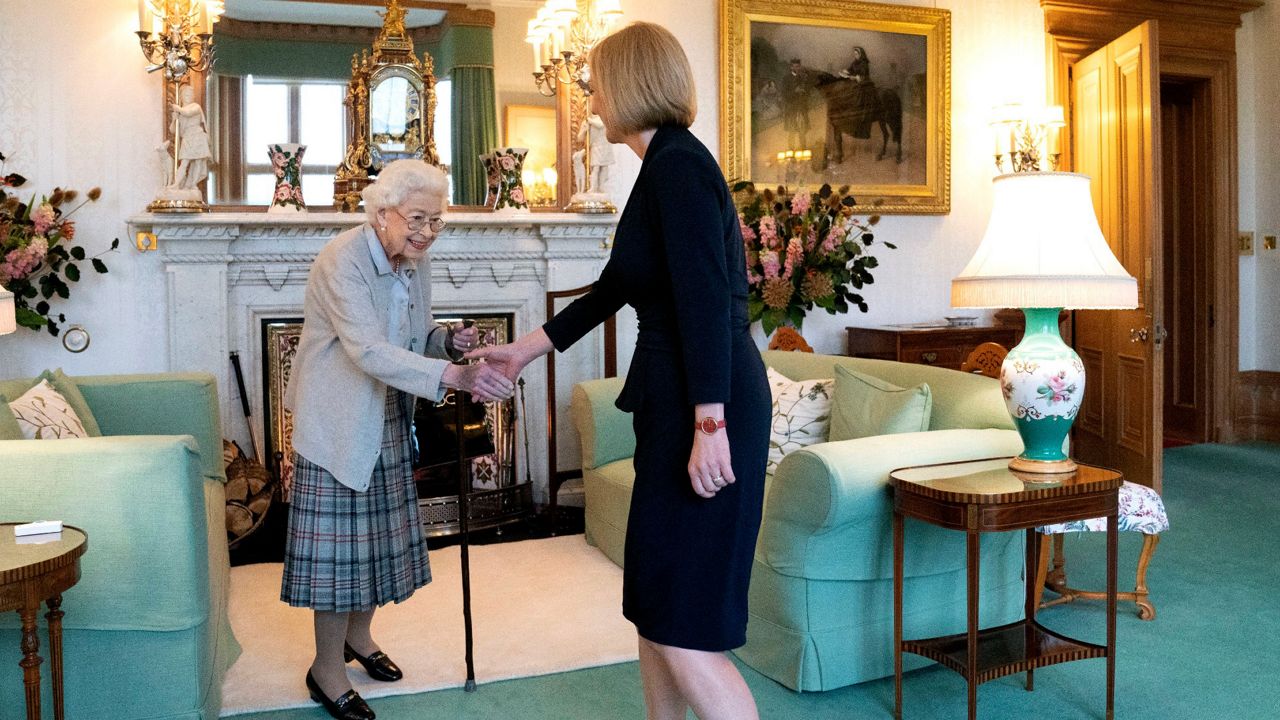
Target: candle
145,17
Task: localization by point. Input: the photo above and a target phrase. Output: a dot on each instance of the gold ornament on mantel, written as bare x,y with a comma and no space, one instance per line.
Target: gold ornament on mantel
393,58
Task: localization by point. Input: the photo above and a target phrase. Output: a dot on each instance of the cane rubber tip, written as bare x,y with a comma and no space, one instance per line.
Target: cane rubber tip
470,686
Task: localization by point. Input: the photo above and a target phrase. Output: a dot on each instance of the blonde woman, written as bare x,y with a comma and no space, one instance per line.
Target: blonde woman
696,385
368,347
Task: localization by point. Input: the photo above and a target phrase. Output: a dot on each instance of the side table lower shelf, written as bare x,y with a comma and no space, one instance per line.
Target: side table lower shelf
1003,650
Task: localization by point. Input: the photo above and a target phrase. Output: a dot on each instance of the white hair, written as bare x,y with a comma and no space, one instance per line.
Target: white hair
401,178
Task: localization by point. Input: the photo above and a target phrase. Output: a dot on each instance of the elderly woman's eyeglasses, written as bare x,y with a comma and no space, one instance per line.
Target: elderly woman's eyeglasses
416,222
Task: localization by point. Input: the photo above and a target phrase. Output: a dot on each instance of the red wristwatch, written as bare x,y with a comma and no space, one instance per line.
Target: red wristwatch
709,425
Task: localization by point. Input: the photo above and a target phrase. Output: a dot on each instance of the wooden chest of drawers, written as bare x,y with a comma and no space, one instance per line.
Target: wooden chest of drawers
940,346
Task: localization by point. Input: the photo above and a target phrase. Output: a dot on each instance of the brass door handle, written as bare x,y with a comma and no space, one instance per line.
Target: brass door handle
1139,334
929,357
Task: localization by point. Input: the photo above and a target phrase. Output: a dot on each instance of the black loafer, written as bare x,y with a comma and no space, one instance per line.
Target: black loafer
378,665
348,707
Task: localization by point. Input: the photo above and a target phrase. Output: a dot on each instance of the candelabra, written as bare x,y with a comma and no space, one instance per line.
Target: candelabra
177,35
562,36
792,162
1025,137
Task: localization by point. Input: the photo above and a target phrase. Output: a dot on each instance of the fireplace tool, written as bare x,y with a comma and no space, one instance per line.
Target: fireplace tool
464,530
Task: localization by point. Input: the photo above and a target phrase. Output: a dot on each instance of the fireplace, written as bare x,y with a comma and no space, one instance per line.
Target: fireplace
501,487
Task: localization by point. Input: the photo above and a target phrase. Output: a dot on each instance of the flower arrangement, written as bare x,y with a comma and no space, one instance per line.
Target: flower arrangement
803,250
37,259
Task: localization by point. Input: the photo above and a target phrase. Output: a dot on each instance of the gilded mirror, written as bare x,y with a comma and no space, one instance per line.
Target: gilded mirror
282,76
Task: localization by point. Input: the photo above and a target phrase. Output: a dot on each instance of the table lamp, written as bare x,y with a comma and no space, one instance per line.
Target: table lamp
8,312
1043,251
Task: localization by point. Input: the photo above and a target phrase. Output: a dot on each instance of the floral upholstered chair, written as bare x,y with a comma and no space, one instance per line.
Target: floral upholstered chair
1140,510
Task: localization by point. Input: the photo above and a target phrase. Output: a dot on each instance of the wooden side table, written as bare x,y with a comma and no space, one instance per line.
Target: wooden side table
939,345
31,574
986,496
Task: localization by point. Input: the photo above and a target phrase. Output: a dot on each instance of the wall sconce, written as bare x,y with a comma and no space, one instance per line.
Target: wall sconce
562,36
177,35
1026,136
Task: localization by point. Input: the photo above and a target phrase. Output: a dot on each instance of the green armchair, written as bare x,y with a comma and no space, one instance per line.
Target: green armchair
821,597
146,632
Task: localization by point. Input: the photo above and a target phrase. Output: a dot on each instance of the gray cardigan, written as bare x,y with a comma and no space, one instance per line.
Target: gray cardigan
338,385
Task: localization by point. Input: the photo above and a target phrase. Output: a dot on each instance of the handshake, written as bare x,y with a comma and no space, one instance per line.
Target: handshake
493,378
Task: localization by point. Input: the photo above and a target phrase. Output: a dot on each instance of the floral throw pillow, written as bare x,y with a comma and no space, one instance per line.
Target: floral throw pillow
801,415
44,414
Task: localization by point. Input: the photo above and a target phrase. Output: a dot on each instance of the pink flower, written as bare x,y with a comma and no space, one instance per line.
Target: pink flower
810,239
769,232
795,257
42,218
748,235
834,237
284,191
517,195
68,230
21,262
800,203
508,163
277,159
769,262
297,193
279,172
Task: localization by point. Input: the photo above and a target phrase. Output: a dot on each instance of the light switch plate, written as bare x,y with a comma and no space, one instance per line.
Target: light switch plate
1268,242
1246,242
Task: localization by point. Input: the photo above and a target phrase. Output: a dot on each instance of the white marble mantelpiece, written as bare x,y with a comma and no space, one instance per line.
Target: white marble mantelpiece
227,272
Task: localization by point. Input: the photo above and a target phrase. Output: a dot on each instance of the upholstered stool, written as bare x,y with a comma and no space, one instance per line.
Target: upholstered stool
1141,510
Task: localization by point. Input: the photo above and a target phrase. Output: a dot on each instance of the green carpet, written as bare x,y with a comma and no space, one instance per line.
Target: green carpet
1211,652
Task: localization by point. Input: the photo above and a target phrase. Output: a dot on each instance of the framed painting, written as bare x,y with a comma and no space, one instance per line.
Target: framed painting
839,92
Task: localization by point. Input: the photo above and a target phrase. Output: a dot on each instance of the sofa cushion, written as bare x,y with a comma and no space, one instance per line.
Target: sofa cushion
43,413
864,406
9,429
801,415
66,387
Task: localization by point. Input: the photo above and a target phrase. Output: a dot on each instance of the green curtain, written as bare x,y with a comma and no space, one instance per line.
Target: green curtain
289,59
475,131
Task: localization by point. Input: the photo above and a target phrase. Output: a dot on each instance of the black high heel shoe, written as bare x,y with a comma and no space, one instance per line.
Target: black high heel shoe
348,707
377,664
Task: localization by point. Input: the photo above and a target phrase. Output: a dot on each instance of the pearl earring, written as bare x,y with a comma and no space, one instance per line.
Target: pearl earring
384,228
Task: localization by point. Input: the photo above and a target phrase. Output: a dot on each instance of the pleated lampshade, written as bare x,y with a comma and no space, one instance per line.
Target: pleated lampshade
1044,249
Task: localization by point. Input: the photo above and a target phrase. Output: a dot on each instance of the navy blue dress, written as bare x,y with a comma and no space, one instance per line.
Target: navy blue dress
678,259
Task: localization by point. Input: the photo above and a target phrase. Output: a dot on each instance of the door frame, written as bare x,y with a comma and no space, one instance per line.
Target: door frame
1197,40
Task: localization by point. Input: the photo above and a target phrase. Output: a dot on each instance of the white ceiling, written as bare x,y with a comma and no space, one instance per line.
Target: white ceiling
323,13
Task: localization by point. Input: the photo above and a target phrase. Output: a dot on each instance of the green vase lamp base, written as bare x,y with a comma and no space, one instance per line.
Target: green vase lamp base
1043,384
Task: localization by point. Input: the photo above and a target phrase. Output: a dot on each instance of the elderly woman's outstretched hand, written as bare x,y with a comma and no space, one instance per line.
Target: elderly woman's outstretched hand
485,382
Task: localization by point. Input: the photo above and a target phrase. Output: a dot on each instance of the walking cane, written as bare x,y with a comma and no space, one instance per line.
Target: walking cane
463,523
244,408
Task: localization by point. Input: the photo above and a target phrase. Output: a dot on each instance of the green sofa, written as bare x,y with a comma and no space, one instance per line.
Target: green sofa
821,598
147,633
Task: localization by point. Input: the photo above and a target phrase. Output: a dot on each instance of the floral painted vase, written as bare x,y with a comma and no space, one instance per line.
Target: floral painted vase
1043,384
493,180
286,162
509,163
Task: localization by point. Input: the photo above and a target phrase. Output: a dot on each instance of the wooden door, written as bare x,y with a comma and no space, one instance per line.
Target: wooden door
1187,170
1115,122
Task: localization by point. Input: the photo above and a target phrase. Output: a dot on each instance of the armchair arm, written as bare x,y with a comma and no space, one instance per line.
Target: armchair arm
829,513
605,430
141,501
160,404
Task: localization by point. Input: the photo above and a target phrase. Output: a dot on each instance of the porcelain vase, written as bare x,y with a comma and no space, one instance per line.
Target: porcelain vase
286,162
509,164
492,180
1043,384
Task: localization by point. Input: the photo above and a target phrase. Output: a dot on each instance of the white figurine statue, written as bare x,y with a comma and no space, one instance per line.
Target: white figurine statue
601,153
181,189
193,141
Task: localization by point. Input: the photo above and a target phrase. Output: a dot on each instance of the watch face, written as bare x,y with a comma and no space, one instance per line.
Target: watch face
709,425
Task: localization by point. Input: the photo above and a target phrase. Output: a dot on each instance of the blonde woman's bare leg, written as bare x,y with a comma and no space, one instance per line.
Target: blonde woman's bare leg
662,698
359,633
710,683
329,668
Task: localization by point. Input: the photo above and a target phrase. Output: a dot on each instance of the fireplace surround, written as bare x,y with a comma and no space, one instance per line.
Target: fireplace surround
227,273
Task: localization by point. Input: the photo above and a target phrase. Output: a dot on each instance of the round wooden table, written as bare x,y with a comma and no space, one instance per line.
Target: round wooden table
32,572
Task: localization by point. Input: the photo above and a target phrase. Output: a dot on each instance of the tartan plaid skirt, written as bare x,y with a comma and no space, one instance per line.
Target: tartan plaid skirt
349,551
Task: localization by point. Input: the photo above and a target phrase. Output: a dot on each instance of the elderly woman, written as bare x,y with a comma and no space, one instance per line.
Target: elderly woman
696,385
368,347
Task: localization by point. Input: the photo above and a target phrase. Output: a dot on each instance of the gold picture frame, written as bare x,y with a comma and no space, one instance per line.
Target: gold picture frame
833,116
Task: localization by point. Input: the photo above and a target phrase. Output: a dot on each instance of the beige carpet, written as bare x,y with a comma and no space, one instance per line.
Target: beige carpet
538,607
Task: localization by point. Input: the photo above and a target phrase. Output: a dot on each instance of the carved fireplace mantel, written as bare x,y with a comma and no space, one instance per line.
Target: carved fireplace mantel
228,272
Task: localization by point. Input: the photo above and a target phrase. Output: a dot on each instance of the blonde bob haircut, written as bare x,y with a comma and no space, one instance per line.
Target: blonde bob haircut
643,78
